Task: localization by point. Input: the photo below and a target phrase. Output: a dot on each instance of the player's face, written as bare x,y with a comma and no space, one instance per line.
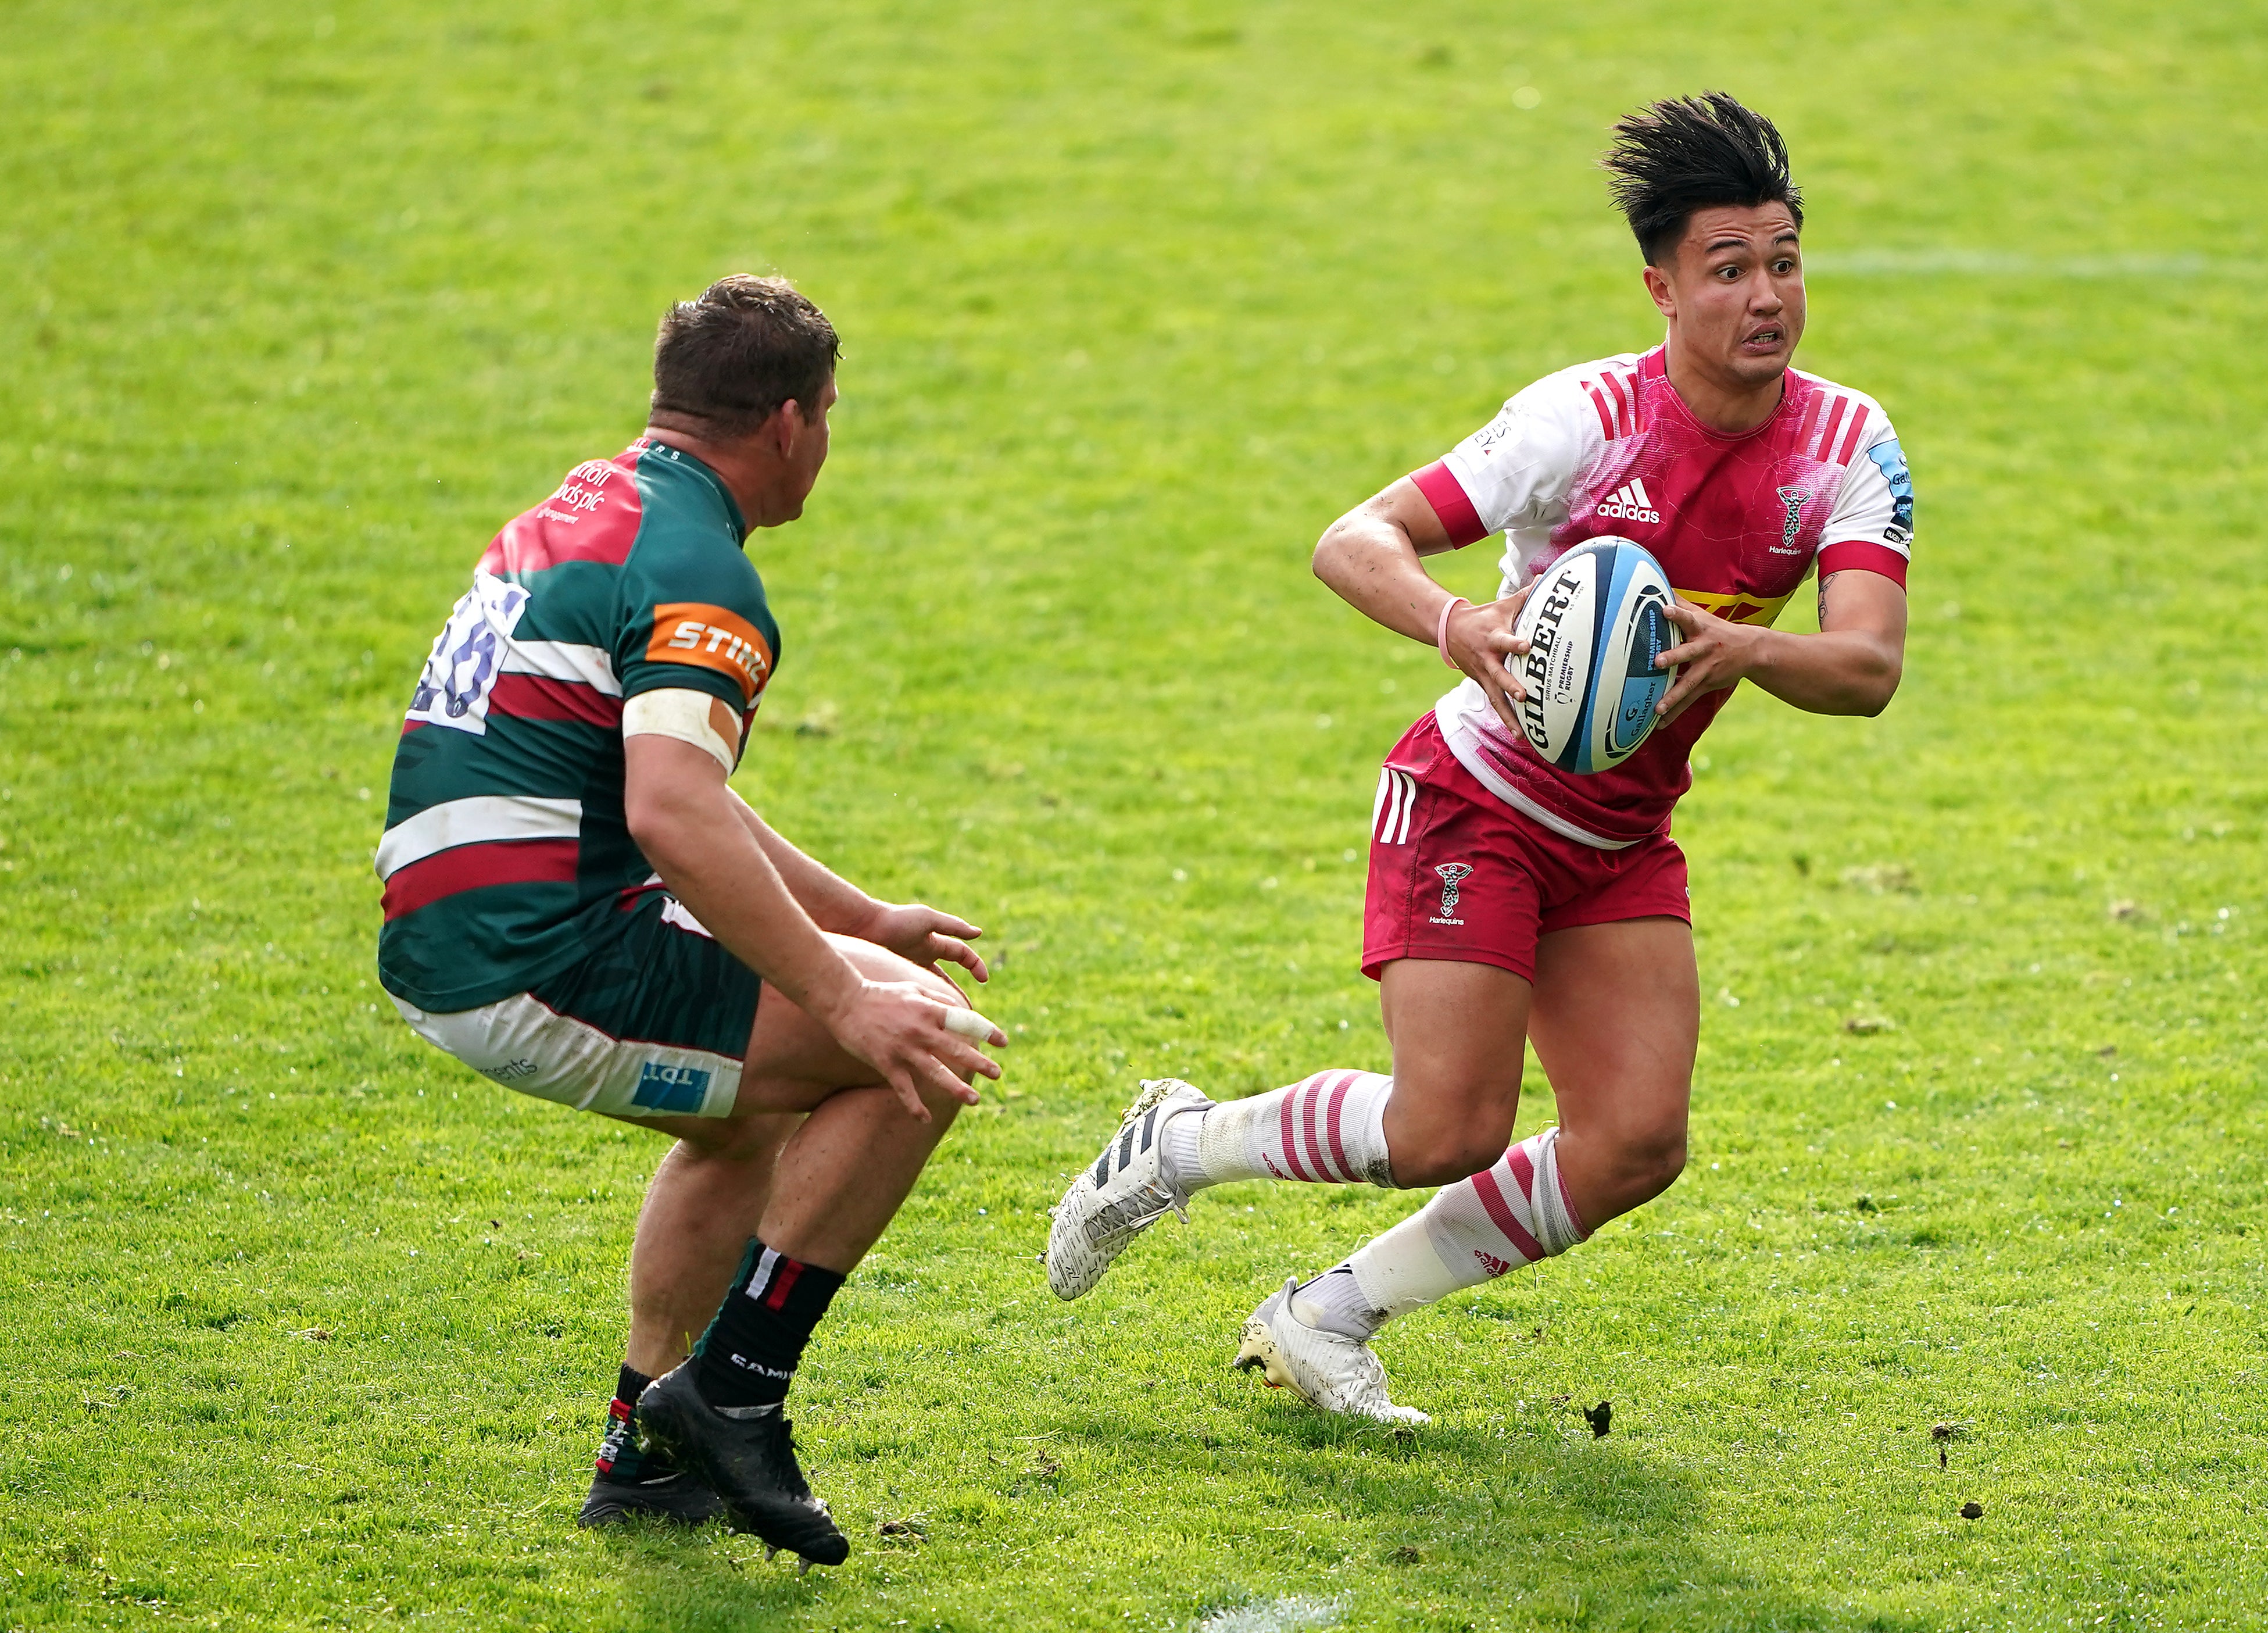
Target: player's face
800,469
1733,294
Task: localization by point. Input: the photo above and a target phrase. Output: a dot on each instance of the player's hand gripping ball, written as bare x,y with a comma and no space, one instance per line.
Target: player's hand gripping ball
1596,620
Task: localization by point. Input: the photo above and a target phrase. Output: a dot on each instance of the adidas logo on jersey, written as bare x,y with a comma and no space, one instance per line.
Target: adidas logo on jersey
1630,503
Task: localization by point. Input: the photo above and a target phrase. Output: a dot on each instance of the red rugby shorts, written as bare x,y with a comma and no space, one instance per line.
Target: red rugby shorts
1457,875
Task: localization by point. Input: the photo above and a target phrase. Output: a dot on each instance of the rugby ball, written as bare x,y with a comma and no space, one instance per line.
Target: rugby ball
1595,622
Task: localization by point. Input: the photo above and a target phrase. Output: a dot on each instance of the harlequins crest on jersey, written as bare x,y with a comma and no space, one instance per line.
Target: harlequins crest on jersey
505,843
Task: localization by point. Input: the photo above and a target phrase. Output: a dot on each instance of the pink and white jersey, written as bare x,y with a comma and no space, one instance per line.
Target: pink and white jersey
1738,522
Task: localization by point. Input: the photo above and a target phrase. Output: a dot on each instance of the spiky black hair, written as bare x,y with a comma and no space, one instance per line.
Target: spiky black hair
1691,152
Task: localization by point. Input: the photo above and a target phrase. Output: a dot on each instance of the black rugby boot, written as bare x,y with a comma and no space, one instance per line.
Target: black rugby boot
746,1455
628,1484
676,1496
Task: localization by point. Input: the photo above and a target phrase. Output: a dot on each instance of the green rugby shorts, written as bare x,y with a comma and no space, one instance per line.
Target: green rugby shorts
653,1023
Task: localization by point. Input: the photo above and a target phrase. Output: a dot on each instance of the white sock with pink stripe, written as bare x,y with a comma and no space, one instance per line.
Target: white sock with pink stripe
1513,1214
1330,1128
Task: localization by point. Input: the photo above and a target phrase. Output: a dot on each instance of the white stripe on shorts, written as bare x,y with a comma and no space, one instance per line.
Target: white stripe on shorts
1389,814
525,1045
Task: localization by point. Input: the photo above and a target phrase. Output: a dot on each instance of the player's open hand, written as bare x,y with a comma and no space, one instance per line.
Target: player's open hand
921,935
1715,656
914,1042
1481,643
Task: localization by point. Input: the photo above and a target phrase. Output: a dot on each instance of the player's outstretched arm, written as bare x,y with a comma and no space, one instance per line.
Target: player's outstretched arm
914,931
1851,666
1373,557
684,819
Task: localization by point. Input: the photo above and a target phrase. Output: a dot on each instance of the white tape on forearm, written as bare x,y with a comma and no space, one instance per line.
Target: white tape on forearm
969,1025
676,712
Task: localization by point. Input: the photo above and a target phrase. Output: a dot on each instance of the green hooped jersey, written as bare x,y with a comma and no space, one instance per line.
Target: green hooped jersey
505,846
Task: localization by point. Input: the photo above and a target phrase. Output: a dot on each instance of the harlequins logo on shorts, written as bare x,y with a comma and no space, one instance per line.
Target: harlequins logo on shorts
1453,876
671,1088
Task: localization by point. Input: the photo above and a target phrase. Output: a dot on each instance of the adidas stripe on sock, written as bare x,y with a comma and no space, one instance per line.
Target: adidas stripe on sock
1330,1128
1515,1212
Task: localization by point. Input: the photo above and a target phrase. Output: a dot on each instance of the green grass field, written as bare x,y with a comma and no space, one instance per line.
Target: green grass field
303,1326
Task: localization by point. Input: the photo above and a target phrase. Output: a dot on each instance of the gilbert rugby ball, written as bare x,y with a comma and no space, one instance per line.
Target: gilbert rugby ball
1595,622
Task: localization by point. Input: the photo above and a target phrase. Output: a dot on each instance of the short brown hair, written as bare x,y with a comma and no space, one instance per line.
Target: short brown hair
745,346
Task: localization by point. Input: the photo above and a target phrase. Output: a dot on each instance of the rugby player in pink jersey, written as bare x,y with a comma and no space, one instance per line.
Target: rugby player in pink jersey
1511,902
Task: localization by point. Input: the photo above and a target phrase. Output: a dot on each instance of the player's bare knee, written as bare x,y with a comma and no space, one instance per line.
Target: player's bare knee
706,1144
1449,1156
942,1108
715,1149
757,1140
880,964
1653,1165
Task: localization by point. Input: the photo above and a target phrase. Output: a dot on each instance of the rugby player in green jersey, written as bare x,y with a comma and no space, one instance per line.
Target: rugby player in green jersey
580,907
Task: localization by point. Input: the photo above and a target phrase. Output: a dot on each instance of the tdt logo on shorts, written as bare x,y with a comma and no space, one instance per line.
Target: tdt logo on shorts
671,1088
1453,877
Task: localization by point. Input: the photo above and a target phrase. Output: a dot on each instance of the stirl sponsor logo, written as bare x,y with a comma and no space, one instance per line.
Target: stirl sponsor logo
1630,503
713,638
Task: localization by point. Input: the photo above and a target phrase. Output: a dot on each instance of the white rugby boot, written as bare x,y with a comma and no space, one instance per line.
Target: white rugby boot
1123,1195
1329,1370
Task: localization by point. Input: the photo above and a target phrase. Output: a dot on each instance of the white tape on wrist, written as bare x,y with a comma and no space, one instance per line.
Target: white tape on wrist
969,1025
676,712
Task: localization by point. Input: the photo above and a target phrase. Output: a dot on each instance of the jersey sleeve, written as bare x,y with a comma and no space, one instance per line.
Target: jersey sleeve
1514,470
1872,527
695,619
